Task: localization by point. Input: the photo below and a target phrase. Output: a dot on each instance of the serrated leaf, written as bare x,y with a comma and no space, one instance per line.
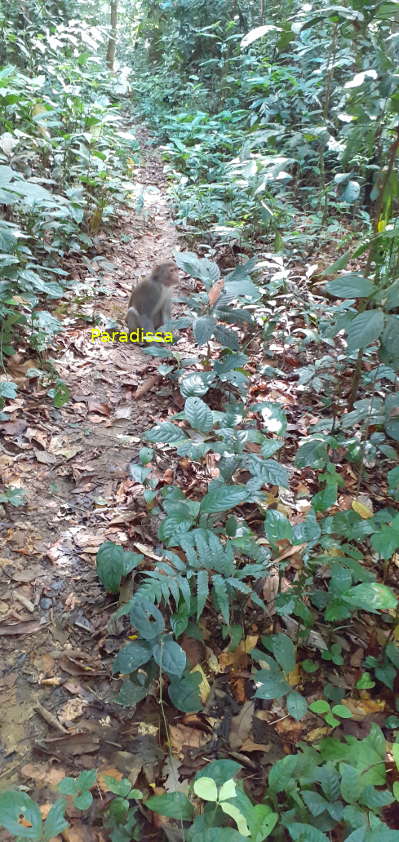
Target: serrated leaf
204,328
202,591
197,267
221,597
227,337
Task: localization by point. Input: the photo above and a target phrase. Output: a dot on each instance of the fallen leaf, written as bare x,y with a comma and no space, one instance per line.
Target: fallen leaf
362,508
181,735
204,687
316,734
249,745
360,708
111,772
241,725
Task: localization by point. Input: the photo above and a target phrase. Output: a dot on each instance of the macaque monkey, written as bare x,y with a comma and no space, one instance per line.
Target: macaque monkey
150,302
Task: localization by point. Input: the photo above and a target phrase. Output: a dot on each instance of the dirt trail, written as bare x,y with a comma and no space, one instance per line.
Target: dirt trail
73,464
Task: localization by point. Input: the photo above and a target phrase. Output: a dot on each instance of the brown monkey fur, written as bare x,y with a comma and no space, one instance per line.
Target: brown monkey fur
150,302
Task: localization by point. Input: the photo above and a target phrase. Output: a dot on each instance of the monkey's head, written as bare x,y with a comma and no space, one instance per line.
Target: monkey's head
166,274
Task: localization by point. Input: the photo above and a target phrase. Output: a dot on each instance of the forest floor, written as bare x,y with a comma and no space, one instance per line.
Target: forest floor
57,639
58,714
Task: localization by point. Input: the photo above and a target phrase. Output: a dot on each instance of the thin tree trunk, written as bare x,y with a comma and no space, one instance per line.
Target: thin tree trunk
112,38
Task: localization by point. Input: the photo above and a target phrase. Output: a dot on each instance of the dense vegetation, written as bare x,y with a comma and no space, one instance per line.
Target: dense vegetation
279,131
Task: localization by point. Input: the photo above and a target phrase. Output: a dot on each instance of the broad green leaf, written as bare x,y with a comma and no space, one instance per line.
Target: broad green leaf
184,693
131,657
204,328
351,783
270,684
261,821
132,691
281,774
258,32
277,527
234,813
315,802
56,822
319,706
198,414
175,805
195,384
342,711
296,705
146,618
206,789
110,566
170,657
165,432
364,329
371,596
284,651
395,754
220,771
306,833
13,806
312,452
223,497
228,790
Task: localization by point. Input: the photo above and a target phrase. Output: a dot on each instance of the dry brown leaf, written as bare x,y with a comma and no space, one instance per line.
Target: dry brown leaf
360,708
239,658
241,725
316,734
112,773
43,774
181,735
249,745
77,833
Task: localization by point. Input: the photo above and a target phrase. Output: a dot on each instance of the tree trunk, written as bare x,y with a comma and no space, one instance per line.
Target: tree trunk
112,38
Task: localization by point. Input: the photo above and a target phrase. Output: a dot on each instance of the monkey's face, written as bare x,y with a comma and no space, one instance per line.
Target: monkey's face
169,276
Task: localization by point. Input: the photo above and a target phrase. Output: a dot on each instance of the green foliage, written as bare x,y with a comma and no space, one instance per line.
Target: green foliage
113,563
